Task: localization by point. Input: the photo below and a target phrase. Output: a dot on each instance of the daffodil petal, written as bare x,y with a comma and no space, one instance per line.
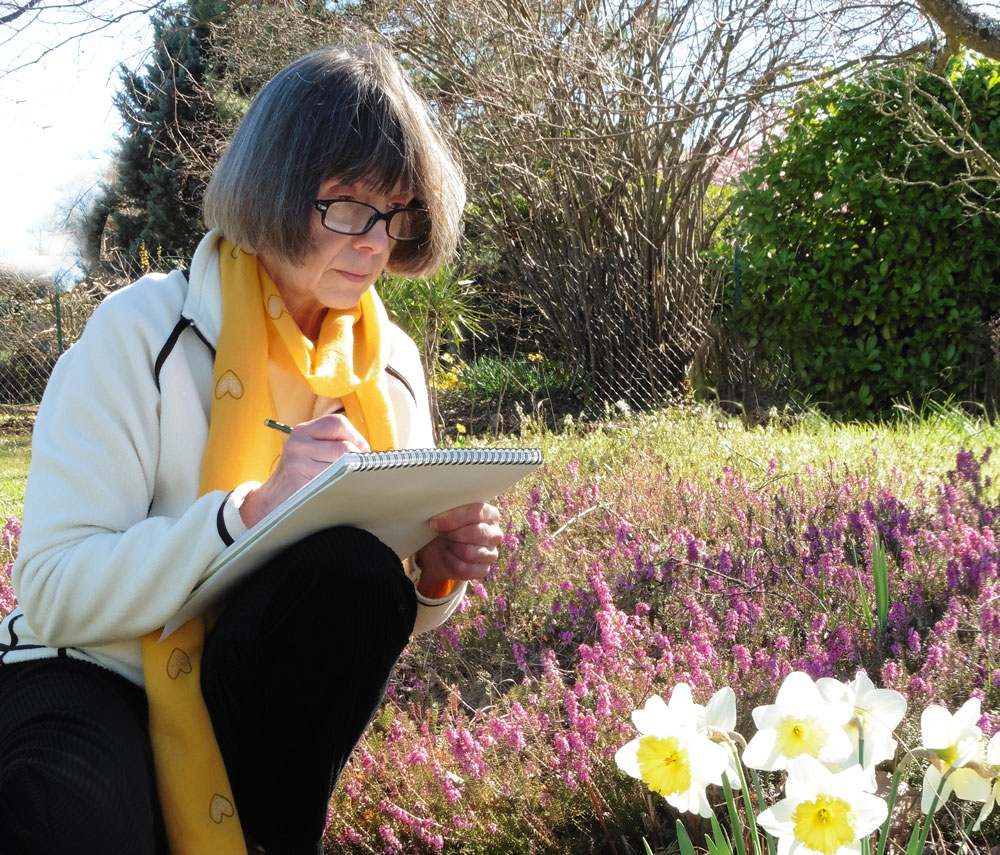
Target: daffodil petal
885,706
988,806
682,703
627,758
777,819
720,711
798,689
652,718
969,713
993,750
970,786
832,691
933,784
870,812
760,753
935,722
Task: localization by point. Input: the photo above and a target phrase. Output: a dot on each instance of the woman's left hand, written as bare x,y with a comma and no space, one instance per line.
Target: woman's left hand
465,548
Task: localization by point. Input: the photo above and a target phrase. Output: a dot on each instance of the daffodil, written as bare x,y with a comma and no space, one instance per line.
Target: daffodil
800,722
716,719
823,812
877,713
671,756
993,759
952,741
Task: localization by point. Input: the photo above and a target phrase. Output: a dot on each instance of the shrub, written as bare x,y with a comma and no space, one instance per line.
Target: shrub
862,264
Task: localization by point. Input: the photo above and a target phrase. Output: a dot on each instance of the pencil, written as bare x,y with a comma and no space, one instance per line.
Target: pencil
271,423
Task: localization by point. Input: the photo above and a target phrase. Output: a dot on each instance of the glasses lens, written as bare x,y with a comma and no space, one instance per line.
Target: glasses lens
409,224
348,218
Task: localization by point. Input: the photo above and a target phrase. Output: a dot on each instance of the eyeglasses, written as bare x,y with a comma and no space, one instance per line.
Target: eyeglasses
347,217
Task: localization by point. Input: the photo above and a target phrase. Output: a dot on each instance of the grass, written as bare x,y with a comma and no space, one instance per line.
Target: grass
15,454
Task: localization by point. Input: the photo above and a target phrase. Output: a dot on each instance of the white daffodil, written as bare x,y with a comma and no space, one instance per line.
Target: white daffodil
878,711
671,756
823,812
953,741
716,717
993,759
799,722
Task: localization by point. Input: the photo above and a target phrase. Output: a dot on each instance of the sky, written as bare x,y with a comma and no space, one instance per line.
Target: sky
57,131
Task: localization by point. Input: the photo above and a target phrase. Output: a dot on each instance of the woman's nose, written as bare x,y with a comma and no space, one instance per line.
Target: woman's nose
376,238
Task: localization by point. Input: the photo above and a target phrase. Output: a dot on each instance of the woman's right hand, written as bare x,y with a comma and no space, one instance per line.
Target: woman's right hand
310,448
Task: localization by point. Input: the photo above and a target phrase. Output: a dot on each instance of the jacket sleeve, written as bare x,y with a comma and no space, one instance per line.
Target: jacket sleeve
93,567
431,613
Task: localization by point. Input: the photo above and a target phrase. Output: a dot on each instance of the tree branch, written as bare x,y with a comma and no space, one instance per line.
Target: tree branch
962,25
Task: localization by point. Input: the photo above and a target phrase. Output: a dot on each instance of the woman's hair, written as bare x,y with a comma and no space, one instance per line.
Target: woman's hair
334,113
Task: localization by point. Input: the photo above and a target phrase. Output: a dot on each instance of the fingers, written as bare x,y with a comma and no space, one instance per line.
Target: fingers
464,516
328,437
444,559
468,540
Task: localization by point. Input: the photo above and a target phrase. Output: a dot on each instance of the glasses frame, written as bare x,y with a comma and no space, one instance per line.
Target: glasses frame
323,205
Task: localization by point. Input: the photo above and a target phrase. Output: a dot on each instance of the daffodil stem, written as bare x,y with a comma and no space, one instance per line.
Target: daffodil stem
734,817
929,819
748,805
760,800
866,846
883,836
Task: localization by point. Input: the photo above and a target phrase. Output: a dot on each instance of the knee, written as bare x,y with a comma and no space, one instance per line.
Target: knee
45,807
352,566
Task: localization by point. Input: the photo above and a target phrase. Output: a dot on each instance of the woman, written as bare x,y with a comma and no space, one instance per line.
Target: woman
150,456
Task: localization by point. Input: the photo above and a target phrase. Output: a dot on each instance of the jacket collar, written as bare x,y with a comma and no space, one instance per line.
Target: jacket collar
203,304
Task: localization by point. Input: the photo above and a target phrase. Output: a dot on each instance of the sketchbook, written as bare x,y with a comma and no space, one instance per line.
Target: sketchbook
392,494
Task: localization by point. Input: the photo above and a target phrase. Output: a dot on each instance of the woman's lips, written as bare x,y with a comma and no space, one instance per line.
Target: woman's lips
354,277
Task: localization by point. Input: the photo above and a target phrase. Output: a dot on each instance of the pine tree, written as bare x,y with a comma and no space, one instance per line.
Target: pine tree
151,208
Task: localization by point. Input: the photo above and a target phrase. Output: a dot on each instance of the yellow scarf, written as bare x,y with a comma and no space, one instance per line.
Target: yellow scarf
346,362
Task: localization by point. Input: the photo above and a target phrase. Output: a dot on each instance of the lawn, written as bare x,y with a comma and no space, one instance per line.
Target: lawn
15,454
680,547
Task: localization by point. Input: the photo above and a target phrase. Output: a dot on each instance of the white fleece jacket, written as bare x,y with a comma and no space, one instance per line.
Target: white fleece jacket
114,535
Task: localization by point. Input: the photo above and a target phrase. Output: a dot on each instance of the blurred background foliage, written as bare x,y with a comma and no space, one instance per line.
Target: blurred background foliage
783,209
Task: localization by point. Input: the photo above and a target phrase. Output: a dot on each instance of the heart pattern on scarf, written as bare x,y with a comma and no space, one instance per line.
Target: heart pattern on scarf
229,384
178,664
275,306
220,808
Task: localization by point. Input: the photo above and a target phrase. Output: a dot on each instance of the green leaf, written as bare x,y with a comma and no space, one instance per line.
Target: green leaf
683,840
880,572
718,843
865,611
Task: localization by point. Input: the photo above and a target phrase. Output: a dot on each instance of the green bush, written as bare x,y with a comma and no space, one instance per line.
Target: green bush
863,266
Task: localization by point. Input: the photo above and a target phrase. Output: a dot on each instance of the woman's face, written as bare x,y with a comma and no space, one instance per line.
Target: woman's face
337,269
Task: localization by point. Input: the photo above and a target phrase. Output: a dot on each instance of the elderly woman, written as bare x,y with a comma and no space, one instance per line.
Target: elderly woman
150,456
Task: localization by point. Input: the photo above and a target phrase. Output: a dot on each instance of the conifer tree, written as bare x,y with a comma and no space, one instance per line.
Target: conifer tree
149,214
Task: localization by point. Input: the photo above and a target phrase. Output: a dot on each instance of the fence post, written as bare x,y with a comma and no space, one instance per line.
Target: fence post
736,276
59,334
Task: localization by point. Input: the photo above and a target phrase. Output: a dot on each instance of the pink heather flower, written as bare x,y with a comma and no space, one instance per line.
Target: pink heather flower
392,844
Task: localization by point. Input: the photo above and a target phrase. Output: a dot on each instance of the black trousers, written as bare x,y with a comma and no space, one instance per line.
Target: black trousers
293,672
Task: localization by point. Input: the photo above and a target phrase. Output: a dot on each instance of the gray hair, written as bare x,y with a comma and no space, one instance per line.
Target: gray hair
342,114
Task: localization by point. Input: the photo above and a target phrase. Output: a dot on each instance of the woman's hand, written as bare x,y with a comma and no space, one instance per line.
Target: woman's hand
309,449
465,548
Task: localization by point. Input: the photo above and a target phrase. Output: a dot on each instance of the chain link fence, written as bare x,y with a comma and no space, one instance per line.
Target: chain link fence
520,372
36,325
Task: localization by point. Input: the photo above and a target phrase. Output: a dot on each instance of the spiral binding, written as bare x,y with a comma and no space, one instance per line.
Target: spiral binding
446,457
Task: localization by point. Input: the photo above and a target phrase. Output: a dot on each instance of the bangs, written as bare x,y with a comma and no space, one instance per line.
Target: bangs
372,149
